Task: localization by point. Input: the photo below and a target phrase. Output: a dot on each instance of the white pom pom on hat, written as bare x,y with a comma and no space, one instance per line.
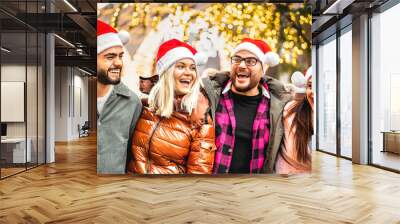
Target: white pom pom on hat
201,58
299,81
124,36
271,59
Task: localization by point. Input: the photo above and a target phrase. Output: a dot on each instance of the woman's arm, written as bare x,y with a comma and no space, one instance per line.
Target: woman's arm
139,141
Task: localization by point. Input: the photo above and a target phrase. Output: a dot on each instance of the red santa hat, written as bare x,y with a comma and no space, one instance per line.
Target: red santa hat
260,49
174,50
107,37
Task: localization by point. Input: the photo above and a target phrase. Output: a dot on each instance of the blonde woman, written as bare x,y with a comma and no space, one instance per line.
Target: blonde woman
175,132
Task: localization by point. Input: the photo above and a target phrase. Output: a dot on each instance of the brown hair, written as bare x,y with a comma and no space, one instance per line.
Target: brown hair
303,121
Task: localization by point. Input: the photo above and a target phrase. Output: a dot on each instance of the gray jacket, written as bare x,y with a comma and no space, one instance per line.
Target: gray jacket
279,97
115,126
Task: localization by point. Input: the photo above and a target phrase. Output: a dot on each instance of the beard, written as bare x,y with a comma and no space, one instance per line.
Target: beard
253,82
103,78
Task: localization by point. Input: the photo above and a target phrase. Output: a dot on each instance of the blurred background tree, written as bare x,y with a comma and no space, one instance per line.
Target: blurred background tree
215,29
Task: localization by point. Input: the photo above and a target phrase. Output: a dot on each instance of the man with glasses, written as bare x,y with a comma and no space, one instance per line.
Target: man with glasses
248,111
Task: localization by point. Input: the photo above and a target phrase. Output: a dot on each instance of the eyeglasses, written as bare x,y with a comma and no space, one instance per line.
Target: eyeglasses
250,61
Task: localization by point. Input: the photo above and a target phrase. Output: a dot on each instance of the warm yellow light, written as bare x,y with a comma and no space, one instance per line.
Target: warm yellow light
232,20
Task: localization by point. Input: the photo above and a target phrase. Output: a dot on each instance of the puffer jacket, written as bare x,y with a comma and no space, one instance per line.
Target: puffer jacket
181,144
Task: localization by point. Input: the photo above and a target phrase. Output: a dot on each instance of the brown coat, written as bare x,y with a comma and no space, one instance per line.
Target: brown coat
180,144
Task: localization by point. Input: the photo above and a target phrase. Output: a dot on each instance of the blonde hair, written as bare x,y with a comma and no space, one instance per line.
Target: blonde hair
161,97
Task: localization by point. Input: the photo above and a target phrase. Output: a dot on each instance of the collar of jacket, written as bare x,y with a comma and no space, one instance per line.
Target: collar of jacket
122,90
263,84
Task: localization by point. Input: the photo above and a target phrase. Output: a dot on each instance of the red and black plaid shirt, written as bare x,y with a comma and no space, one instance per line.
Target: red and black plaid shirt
225,131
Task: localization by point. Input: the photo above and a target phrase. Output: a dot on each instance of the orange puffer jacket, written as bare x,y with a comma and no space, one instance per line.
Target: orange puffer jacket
180,144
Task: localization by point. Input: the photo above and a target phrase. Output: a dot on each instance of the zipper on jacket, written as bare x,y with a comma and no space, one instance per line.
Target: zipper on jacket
148,162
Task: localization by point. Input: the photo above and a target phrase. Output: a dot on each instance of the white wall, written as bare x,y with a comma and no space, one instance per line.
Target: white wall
61,103
71,94
33,126
15,73
80,110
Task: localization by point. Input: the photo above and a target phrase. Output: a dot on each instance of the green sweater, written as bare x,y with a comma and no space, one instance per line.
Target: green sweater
115,126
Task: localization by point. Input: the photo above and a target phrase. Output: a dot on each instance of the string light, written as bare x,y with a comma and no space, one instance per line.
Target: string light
282,26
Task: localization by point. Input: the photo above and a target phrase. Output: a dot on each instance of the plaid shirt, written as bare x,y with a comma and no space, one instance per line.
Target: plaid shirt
225,131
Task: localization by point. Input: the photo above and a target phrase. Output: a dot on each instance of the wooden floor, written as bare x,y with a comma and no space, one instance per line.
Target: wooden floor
10,171
69,191
5,172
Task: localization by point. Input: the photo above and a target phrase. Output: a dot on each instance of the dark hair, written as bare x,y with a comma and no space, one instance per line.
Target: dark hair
303,121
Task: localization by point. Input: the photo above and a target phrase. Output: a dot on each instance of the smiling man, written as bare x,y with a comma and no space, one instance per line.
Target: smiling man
248,111
118,108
